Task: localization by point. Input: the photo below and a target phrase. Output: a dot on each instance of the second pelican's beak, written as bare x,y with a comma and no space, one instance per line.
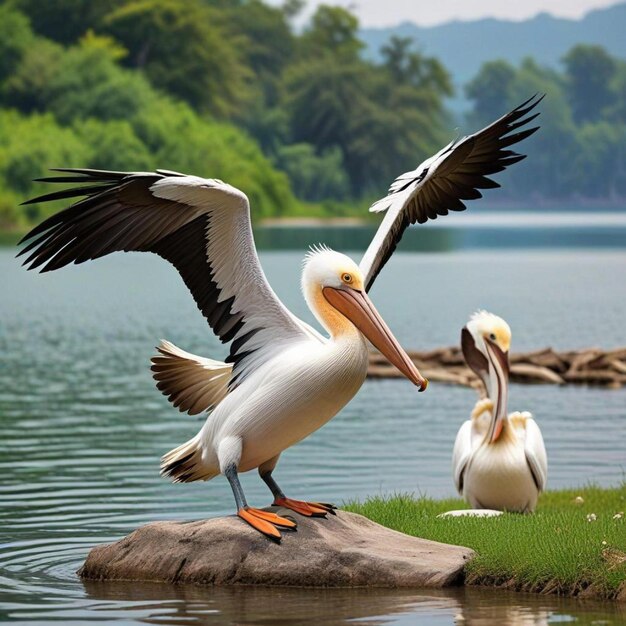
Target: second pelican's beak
360,310
498,386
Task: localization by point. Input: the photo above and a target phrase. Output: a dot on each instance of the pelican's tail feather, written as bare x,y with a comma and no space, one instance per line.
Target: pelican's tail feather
191,383
184,464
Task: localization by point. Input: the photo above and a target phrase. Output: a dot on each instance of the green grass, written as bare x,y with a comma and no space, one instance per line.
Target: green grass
554,550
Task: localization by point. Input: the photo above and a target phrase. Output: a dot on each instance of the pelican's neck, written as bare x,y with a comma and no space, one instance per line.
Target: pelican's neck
483,423
337,325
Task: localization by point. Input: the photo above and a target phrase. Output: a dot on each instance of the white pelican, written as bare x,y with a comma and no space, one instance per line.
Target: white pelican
499,461
282,379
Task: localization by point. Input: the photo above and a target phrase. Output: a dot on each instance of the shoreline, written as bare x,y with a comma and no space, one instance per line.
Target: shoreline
530,206
574,545
550,588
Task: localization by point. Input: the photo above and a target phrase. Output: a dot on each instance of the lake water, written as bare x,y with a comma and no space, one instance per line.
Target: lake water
83,426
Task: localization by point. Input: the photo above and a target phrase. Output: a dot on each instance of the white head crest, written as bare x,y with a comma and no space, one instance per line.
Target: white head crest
484,324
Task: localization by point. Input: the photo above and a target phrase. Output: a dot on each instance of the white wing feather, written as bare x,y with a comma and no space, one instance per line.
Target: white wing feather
237,270
201,226
443,181
536,456
461,454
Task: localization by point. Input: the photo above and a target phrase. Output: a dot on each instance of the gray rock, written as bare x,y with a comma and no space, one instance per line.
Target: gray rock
346,550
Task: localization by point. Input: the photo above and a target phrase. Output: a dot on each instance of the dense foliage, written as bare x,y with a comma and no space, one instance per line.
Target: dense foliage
581,149
218,88
228,89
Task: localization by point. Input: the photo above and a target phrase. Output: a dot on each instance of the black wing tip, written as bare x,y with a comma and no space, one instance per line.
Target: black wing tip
87,171
529,104
98,179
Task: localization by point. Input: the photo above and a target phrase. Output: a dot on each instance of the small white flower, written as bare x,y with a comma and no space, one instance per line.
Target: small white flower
592,517
619,515
604,543
578,500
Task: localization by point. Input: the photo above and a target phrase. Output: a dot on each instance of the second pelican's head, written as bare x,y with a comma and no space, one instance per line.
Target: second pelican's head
333,287
485,341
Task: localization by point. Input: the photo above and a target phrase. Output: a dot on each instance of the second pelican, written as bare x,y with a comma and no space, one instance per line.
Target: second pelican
499,461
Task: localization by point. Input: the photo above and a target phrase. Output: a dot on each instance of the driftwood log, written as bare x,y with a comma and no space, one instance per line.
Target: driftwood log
591,366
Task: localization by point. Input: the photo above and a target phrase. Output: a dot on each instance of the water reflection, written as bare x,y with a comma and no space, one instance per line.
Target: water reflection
247,606
256,605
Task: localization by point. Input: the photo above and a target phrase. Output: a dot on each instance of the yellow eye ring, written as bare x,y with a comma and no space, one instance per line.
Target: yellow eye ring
347,278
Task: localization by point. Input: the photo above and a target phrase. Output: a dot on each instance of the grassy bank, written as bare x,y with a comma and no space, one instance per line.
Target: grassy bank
567,547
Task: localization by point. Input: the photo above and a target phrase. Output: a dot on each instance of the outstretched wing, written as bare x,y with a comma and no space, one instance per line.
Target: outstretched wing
442,182
201,226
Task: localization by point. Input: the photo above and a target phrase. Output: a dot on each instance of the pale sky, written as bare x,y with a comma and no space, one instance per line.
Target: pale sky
373,13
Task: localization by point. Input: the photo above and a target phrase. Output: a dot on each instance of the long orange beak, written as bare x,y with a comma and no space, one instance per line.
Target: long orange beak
360,310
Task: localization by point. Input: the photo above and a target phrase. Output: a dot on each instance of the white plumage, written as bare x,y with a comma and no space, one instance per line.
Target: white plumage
499,461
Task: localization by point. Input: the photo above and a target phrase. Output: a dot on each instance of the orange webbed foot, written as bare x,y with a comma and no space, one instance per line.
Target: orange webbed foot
265,522
330,508
308,509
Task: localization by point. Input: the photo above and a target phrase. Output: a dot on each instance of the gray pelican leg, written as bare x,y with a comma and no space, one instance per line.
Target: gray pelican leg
308,509
263,521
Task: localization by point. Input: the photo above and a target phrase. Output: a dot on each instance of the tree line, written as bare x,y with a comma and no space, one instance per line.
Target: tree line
300,120
580,152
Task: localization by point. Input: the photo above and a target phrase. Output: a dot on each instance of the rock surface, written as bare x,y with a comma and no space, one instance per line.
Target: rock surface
344,550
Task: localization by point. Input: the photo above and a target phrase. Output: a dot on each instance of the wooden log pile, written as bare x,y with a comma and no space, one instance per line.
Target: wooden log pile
591,366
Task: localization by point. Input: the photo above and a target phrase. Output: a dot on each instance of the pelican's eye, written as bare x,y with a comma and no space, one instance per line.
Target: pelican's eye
492,336
347,278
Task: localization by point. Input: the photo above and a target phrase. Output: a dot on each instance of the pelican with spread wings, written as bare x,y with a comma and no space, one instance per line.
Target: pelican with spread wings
282,379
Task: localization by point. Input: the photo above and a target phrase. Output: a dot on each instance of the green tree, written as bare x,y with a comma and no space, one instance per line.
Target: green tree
181,140
114,146
269,46
184,48
66,21
16,37
333,32
601,160
29,146
617,112
268,125
80,82
314,177
268,41
548,171
590,71
28,86
490,90
409,67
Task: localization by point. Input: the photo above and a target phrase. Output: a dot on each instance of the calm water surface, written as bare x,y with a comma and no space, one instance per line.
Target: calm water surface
83,428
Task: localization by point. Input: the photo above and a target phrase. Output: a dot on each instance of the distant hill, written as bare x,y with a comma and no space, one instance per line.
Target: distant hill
464,46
